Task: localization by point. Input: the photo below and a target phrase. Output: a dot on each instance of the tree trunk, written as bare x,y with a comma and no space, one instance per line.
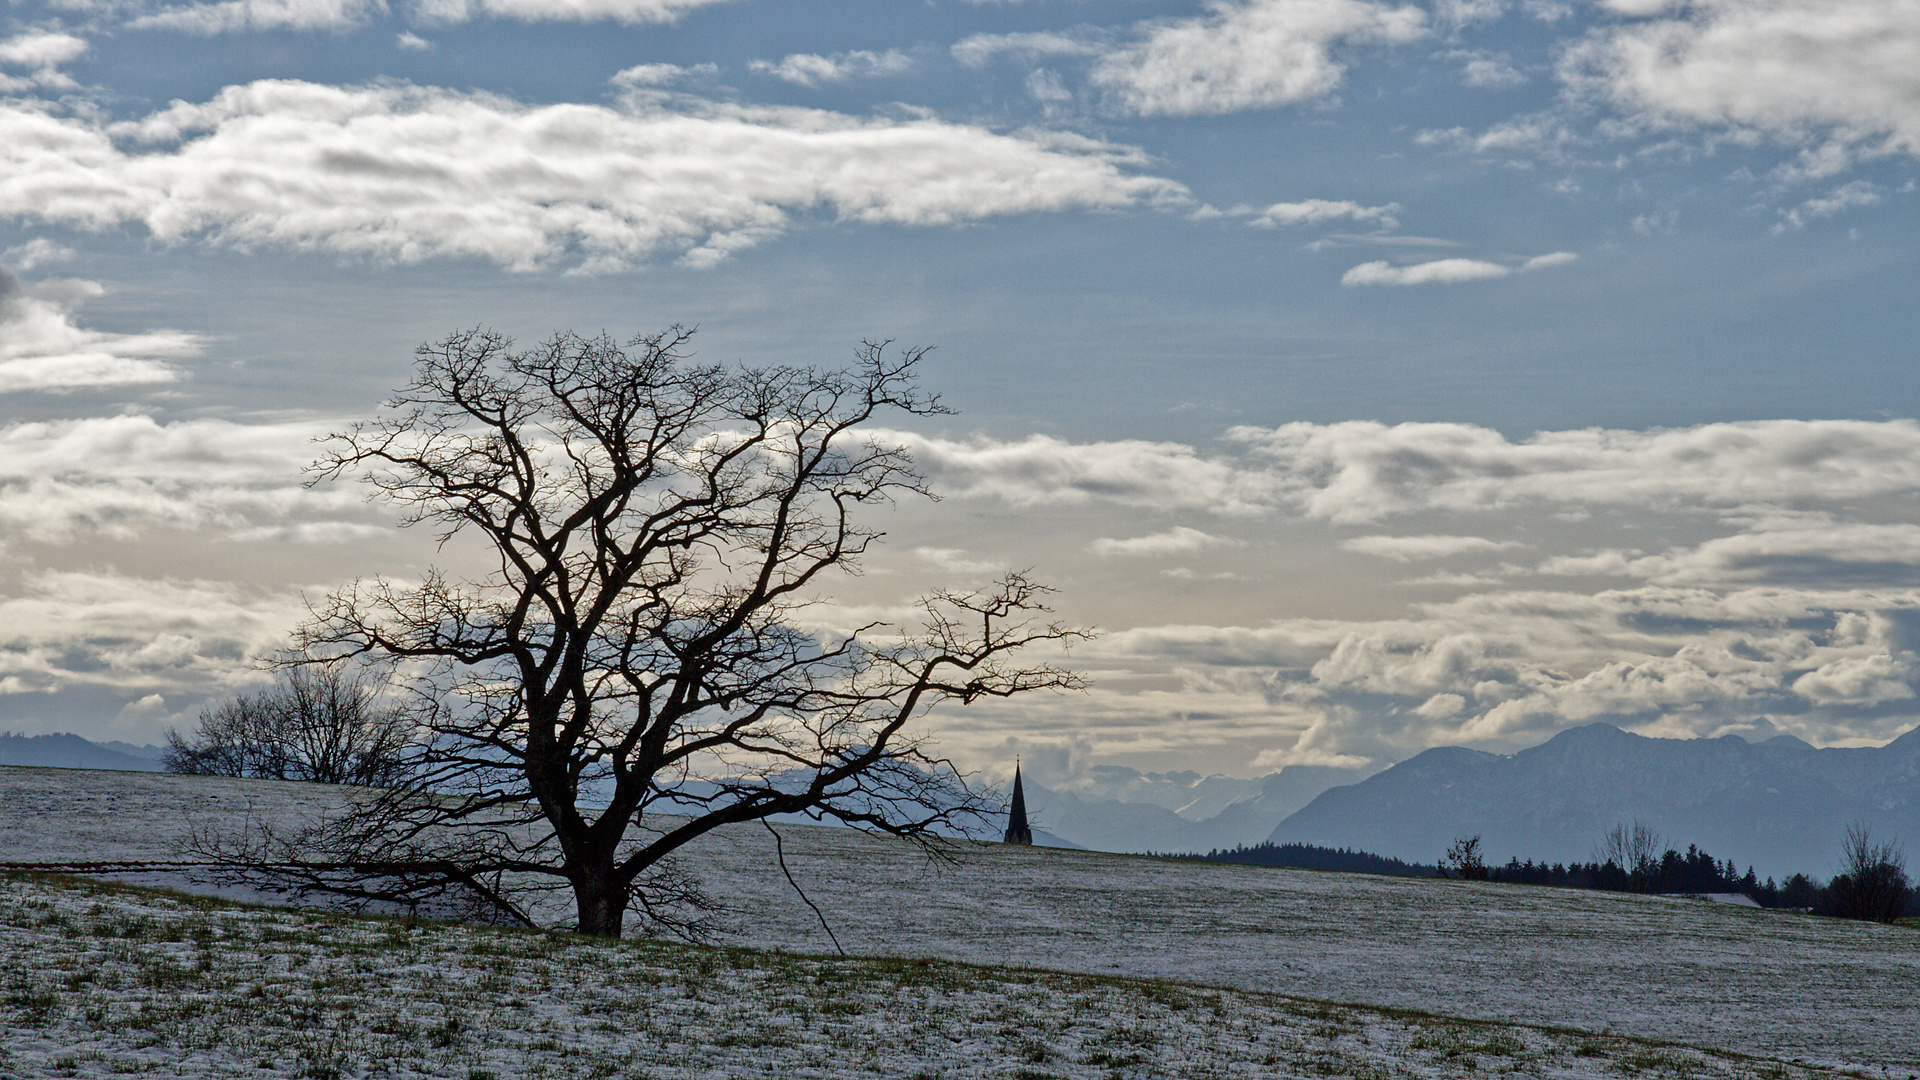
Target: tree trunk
601,900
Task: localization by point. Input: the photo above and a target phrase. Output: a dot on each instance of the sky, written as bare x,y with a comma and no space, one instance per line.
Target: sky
1373,376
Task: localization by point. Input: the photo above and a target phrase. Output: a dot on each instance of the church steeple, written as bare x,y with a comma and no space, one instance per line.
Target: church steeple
1017,831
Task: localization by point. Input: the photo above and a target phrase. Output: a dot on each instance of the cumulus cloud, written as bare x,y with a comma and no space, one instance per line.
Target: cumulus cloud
1856,680
408,173
1847,70
39,49
1247,54
1178,540
43,347
1316,211
1508,669
810,69
1410,548
40,54
1446,271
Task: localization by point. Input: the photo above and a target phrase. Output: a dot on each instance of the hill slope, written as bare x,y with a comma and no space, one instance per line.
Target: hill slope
1740,979
106,981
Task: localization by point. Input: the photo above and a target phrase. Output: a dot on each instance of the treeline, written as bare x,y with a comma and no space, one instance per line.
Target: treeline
1309,857
1693,871
1873,884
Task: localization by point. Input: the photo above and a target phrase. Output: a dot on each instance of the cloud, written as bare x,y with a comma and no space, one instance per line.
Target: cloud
121,475
1856,680
1446,271
1358,471
660,74
1846,197
415,42
1315,211
953,561
1508,669
631,12
1541,262
1440,271
979,49
407,173
43,348
36,252
808,69
1488,72
1043,469
1247,54
39,49
1410,548
146,640
253,15
1847,70
1178,540
311,532
1793,549
40,53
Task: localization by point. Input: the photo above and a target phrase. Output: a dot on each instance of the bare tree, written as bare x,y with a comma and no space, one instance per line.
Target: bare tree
637,668
319,722
1464,860
1633,848
1872,884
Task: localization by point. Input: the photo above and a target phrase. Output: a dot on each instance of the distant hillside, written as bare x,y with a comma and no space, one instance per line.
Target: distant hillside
1780,805
67,751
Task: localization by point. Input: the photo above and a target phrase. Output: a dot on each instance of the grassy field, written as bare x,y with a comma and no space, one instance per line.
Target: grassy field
106,980
1769,984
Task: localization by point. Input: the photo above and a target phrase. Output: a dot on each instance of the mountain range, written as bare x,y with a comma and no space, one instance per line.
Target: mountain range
1781,806
67,751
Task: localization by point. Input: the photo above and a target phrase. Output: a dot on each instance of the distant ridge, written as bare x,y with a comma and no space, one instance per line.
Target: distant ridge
65,750
1780,805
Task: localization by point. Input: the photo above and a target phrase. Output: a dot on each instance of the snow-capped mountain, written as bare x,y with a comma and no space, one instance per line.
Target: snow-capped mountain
1781,805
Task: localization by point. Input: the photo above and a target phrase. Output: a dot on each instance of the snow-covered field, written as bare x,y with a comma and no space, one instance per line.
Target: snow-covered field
1754,982
100,981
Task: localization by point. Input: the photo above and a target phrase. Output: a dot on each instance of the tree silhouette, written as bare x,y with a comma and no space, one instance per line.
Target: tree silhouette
642,665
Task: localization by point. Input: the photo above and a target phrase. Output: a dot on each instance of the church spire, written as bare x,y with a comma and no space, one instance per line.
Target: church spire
1017,831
